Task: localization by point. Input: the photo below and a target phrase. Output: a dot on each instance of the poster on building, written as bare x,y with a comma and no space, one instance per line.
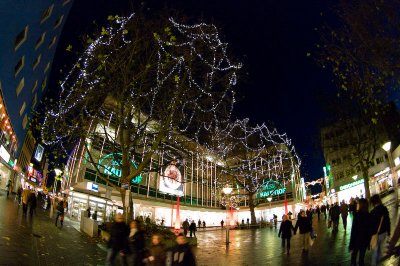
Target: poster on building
171,181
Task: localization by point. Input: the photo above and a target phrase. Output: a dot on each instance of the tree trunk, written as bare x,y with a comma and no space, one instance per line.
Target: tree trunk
252,207
366,184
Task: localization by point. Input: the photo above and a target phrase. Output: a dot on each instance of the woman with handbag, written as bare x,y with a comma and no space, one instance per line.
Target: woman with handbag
380,228
360,234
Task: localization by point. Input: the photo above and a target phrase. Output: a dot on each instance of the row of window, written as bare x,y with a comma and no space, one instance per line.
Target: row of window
348,158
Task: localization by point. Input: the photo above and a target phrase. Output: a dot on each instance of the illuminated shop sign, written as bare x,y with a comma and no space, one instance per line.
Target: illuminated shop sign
4,154
39,153
92,186
111,164
352,184
271,188
171,181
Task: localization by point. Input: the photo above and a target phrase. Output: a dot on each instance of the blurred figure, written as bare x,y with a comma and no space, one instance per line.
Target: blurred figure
118,242
185,226
285,231
323,210
305,228
182,254
222,224
156,256
379,221
60,212
344,211
9,187
137,243
334,213
360,234
32,203
192,228
204,225
25,197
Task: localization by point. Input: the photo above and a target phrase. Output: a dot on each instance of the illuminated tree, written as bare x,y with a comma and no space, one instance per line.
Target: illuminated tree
142,82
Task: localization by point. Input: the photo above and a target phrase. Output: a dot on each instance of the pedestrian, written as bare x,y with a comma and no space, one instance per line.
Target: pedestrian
275,220
94,216
380,225
148,220
248,221
156,254
88,212
318,211
290,215
60,212
182,254
323,210
192,228
285,231
222,224
185,226
32,203
199,224
137,244
19,195
204,225
303,223
344,211
118,243
334,214
9,187
360,234
25,196
394,239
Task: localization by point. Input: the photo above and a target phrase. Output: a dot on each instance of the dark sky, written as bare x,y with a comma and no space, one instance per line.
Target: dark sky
272,38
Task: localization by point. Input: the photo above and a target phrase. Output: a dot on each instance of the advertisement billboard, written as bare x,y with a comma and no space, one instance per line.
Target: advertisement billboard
171,181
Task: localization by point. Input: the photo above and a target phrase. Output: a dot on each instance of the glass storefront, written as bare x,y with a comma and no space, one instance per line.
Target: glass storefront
5,175
351,190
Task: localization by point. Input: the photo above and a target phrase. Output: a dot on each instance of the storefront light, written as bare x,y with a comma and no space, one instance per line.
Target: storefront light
355,177
387,146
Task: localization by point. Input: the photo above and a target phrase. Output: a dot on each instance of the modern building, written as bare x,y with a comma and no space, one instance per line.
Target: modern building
155,193
29,35
343,178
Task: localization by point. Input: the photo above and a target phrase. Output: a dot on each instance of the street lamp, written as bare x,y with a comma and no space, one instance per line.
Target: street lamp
387,146
227,191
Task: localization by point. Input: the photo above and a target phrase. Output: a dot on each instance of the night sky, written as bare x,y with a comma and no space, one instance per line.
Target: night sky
280,84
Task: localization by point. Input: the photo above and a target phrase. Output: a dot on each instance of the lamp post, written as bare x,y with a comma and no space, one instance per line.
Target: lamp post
387,147
227,191
269,200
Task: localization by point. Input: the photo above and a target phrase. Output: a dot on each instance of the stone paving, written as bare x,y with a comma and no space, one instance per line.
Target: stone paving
37,241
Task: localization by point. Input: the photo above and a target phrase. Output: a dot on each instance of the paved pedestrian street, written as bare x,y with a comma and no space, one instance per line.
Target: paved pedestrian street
37,241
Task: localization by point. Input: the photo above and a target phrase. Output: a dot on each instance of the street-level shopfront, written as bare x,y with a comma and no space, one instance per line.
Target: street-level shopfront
6,167
381,181
351,190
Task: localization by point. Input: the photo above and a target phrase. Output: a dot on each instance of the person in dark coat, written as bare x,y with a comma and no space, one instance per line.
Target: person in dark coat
323,210
118,244
285,231
156,254
344,211
360,233
137,244
32,203
192,229
182,254
185,226
378,213
334,214
304,224
60,212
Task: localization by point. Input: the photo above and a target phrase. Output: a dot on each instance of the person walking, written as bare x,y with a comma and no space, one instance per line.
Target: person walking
344,211
118,243
9,187
137,244
182,254
303,223
199,224
360,235
380,225
60,212
25,197
222,224
32,202
334,214
323,210
185,226
156,254
19,195
285,231
318,211
204,225
192,228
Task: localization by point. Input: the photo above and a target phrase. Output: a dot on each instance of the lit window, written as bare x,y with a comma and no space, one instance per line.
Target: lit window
58,22
21,111
44,83
52,42
20,86
34,86
46,14
47,67
34,102
21,38
40,40
25,121
66,2
37,61
18,67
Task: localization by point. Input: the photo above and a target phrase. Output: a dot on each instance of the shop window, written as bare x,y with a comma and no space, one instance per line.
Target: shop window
46,14
58,22
37,61
46,68
21,38
20,86
52,42
19,66
25,122
40,40
21,111
35,84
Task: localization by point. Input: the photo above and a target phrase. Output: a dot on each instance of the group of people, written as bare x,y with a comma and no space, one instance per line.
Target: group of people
129,243
28,199
191,227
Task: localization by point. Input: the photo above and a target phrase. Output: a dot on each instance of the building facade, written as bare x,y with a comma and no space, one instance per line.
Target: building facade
29,35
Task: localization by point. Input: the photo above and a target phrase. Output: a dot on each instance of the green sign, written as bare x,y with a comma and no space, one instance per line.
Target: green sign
352,184
271,188
11,163
111,163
